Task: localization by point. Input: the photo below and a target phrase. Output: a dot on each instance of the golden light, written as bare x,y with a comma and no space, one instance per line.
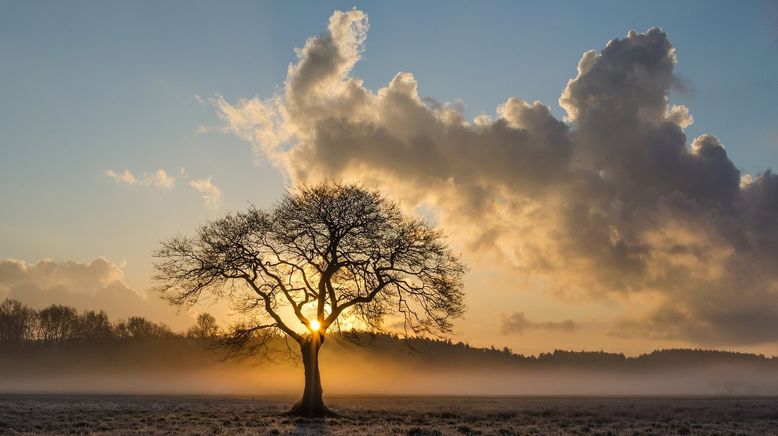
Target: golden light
315,325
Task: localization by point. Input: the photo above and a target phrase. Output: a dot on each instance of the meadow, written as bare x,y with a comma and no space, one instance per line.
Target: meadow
379,384
119,415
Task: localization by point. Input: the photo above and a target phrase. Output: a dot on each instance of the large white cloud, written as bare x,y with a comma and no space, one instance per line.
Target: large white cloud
612,199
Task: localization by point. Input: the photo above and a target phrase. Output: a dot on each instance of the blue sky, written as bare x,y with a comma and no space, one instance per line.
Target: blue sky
91,86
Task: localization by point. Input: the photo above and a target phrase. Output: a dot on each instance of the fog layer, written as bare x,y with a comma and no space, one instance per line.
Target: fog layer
386,367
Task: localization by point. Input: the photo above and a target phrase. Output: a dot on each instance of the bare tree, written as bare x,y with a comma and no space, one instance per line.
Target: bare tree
205,327
92,326
322,255
17,322
140,328
57,324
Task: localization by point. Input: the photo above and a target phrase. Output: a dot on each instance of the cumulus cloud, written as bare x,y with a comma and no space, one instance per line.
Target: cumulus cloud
95,285
517,322
159,178
211,193
612,199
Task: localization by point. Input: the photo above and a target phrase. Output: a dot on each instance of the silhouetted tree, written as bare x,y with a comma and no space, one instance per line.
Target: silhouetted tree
322,253
205,327
93,325
56,324
141,328
17,322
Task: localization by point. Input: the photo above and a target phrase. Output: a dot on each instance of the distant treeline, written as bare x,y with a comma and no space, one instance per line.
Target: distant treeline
447,352
59,324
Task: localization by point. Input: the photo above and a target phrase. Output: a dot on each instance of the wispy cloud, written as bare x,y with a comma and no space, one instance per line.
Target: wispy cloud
211,193
124,177
159,178
517,322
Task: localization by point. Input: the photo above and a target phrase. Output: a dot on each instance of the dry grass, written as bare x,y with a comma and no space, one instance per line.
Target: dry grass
395,415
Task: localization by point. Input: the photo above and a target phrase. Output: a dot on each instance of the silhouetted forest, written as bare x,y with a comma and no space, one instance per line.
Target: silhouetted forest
57,324
447,352
61,327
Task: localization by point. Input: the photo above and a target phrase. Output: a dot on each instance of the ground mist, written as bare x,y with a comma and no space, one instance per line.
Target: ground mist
374,365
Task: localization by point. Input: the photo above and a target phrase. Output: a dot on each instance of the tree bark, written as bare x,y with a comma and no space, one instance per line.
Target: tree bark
311,403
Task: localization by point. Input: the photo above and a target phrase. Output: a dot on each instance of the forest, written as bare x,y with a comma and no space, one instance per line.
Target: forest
58,324
59,327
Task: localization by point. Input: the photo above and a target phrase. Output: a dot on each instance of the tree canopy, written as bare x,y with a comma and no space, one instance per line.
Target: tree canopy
320,253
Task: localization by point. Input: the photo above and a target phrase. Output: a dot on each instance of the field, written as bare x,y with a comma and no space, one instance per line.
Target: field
388,415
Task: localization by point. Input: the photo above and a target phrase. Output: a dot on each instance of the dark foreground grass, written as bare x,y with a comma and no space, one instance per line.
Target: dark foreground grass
395,415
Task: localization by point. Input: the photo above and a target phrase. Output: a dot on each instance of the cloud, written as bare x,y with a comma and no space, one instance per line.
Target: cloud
211,193
159,178
517,322
94,285
124,177
613,199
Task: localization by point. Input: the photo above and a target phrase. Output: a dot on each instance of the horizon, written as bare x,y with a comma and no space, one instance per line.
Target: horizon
162,331
128,124
88,355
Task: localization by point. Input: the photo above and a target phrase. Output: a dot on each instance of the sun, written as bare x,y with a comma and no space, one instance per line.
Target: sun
315,325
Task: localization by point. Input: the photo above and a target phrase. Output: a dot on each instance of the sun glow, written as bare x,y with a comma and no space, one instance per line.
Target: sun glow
315,325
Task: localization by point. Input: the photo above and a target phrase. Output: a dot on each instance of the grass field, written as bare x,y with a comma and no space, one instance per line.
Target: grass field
389,415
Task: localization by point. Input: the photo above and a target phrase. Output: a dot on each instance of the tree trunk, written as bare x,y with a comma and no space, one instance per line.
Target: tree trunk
311,404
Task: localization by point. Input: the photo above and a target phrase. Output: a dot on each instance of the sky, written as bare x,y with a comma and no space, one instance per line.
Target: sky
122,124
